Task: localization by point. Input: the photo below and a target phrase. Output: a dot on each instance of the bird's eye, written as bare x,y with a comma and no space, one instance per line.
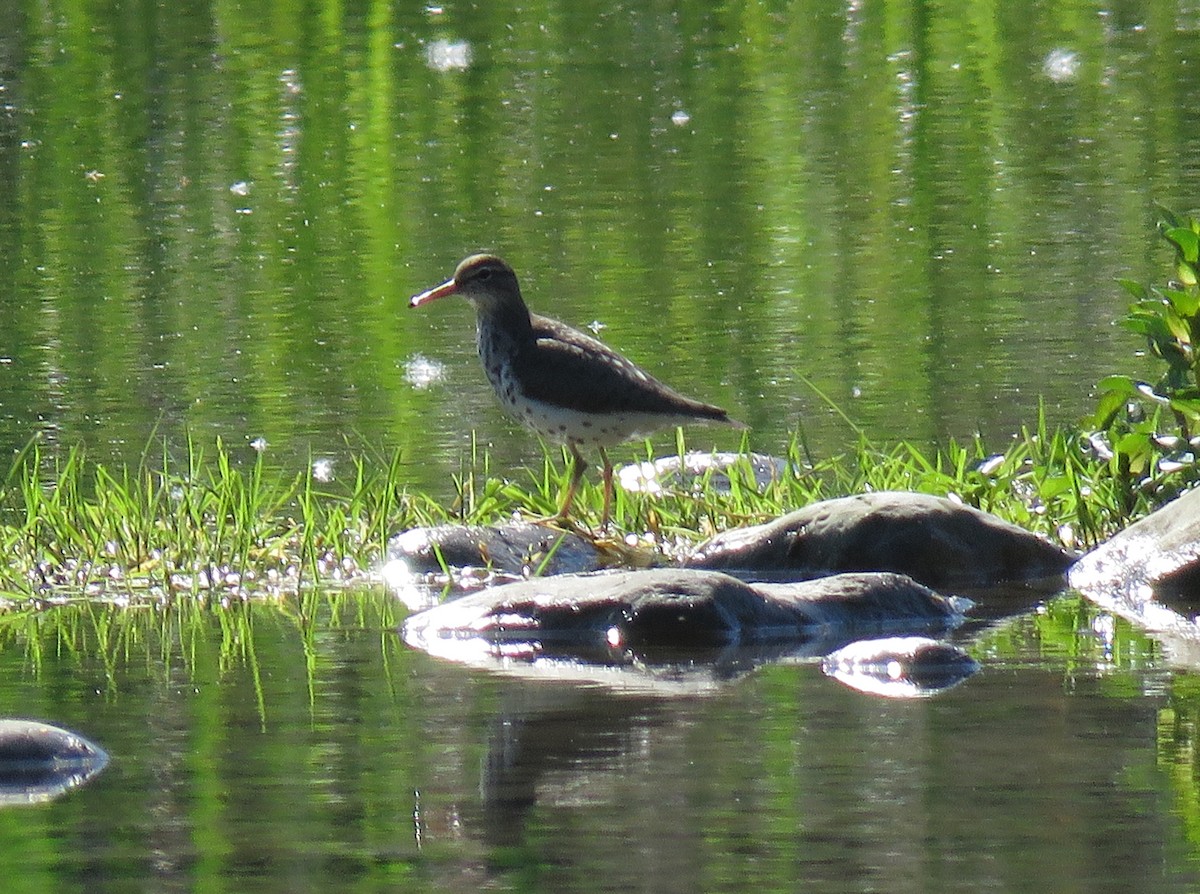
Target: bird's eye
485,274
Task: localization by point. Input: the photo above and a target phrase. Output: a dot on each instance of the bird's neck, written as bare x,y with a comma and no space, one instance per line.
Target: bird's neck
503,328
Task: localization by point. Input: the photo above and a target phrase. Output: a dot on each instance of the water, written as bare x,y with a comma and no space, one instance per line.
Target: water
259,751
211,221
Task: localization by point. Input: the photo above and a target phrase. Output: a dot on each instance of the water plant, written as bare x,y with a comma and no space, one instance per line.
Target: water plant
1148,431
199,525
205,527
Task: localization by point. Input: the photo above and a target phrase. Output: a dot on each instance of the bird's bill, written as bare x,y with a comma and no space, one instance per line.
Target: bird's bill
446,288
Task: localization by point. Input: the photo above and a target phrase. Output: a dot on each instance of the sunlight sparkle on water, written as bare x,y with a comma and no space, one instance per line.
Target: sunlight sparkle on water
1061,65
421,372
448,55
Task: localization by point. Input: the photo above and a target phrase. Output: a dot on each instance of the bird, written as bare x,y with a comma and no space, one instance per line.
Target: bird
568,387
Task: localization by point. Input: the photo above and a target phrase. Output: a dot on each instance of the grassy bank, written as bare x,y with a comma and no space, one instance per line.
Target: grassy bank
205,526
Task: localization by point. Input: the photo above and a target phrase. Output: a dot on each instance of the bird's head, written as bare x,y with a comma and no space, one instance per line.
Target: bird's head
484,280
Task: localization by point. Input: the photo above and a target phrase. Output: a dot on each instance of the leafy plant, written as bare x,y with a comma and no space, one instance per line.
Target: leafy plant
1148,431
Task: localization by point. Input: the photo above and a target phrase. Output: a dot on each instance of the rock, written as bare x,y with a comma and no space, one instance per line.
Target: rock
695,470
1149,572
39,762
517,548
934,540
900,666
606,616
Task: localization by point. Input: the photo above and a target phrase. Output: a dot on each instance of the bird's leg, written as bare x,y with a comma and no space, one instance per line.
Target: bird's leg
578,467
608,489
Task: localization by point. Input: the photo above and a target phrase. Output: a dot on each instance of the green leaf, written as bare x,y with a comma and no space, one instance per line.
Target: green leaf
1137,449
1107,408
1180,331
1151,305
1156,329
1149,325
1186,241
1054,486
1186,302
1136,289
1189,407
1122,386
1167,218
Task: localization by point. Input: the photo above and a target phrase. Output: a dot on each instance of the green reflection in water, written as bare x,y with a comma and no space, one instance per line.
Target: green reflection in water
274,744
212,218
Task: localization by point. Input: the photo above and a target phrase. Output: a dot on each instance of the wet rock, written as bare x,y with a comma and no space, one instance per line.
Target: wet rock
517,548
900,667
39,762
934,540
696,470
610,617
1150,572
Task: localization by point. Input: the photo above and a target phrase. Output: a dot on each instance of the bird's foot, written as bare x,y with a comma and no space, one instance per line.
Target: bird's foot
558,520
572,525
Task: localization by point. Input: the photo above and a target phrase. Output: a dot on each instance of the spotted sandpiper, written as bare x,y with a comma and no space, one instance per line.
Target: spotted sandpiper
568,387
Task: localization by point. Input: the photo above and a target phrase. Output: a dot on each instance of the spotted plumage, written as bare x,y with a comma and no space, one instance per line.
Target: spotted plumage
567,386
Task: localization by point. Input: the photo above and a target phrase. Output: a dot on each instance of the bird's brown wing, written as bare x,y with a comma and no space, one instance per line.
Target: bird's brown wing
565,367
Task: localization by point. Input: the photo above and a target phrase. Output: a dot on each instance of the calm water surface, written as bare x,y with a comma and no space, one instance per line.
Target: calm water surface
269,755
211,218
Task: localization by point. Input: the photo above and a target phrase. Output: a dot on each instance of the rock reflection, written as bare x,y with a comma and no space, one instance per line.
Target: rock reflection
39,762
670,631
900,667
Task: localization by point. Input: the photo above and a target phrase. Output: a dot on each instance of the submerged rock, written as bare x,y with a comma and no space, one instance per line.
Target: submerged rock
900,667
607,617
1150,572
39,762
934,540
696,470
516,548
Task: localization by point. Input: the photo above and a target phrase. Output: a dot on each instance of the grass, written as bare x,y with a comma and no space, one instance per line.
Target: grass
184,563
208,528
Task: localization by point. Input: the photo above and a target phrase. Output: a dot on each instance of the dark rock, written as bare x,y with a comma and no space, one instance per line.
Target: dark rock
1149,572
39,762
517,548
934,540
900,667
607,616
